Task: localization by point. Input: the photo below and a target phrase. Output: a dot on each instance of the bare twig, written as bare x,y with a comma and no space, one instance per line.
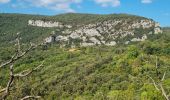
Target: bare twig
13,76
9,82
18,44
156,65
28,72
2,90
18,55
159,86
154,83
163,92
163,76
31,97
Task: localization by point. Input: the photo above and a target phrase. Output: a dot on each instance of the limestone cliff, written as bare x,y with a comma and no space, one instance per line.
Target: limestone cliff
108,32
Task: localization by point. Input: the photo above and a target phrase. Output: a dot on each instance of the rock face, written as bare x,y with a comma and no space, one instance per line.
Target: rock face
41,23
108,32
139,39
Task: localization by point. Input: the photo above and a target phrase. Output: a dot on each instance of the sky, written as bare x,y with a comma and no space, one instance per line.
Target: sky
157,10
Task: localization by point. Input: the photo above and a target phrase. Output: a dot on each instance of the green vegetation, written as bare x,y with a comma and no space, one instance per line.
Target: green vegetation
87,73
113,73
10,24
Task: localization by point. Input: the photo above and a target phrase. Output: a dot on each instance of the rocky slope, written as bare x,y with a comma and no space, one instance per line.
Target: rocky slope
107,32
88,30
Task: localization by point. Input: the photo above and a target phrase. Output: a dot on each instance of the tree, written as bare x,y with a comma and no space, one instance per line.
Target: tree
19,54
159,85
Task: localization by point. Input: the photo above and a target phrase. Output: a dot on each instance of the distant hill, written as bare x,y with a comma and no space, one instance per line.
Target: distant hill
77,29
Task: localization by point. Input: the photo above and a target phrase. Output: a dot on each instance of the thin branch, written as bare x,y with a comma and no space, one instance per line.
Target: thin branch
28,72
163,92
12,76
18,44
156,65
2,90
7,89
8,62
154,83
163,76
18,56
31,97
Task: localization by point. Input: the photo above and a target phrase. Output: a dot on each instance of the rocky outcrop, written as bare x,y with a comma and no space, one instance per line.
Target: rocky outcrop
112,43
139,39
157,28
49,39
41,23
108,32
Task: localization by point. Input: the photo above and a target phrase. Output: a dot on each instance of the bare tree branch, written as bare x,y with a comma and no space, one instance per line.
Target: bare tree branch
8,62
13,76
156,65
29,97
2,90
154,83
18,55
9,82
18,44
159,86
163,92
28,72
163,77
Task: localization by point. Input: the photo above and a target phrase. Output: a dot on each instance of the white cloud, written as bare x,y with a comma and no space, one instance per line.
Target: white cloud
59,5
62,6
146,1
4,1
106,3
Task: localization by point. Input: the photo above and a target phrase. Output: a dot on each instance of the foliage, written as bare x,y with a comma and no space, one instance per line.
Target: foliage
102,72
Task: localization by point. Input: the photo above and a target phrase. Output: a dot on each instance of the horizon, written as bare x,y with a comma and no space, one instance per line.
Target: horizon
153,9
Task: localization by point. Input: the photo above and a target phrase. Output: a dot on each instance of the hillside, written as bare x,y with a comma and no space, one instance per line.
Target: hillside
78,29
105,72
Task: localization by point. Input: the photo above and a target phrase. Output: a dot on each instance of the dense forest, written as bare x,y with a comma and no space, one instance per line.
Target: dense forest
122,72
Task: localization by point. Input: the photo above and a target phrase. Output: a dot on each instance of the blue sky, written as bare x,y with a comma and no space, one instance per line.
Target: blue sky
158,10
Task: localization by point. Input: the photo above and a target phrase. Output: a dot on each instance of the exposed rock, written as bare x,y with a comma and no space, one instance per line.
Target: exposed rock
157,30
112,43
41,23
139,39
74,35
91,32
87,44
61,38
127,42
100,32
94,40
49,40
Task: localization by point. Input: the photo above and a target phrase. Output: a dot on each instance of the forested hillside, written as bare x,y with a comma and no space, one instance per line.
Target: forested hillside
77,29
131,71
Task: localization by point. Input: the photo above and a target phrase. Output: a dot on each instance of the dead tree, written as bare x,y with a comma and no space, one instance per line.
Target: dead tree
19,54
158,85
